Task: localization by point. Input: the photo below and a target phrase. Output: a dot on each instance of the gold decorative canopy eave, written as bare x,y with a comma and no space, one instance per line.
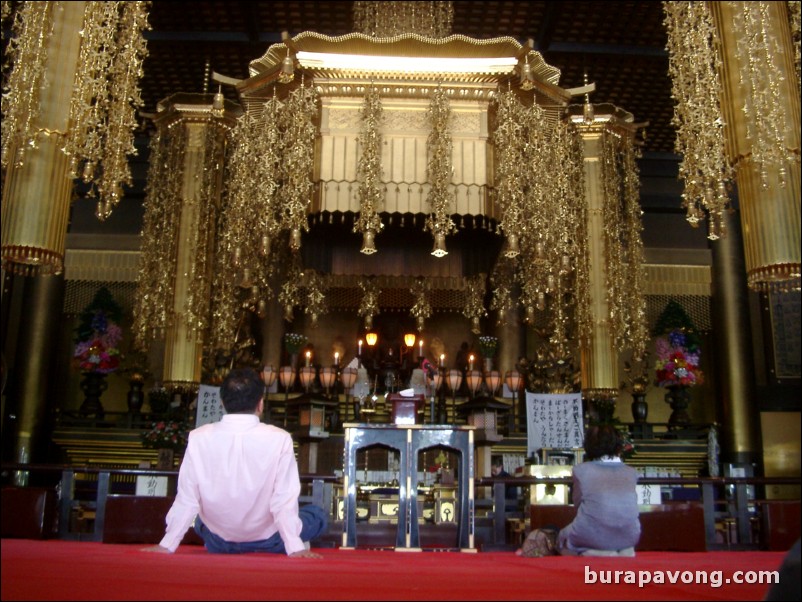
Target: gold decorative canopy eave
189,106
407,45
456,60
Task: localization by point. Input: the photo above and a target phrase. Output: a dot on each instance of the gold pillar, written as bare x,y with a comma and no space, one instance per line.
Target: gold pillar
768,195
36,199
183,352
35,213
740,441
511,346
272,334
599,357
511,342
184,346
42,297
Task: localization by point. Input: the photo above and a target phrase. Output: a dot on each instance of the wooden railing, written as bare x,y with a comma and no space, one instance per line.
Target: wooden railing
319,491
737,508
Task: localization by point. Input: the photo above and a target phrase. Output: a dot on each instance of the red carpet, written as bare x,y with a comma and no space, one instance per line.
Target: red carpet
65,570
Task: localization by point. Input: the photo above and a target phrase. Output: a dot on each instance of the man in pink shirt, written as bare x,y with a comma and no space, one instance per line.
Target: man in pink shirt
238,483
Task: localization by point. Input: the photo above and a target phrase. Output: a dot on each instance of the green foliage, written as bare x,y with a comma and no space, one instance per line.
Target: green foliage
102,302
674,317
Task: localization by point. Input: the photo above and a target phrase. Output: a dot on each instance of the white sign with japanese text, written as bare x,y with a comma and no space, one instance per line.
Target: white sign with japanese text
210,407
151,486
554,421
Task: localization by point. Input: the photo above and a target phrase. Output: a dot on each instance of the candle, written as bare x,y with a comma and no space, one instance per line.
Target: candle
442,359
360,347
420,348
308,357
336,358
470,363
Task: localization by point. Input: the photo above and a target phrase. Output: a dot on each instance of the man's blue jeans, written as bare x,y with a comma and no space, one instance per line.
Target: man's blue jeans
314,519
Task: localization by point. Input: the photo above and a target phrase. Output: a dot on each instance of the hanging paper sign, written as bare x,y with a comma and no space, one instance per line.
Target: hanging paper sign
210,407
553,421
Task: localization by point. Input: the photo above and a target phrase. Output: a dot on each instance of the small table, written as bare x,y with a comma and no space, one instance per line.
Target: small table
409,440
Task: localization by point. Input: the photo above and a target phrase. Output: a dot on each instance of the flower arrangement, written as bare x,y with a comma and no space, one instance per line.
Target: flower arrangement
294,342
166,434
627,445
488,345
677,363
98,335
637,376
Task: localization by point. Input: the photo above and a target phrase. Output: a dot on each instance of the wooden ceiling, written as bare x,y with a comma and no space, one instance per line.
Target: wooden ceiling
620,45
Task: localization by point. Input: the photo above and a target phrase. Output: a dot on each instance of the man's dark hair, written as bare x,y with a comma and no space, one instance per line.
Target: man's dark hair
602,440
241,391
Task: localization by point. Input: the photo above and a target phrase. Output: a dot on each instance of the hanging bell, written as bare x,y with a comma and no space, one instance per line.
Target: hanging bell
368,245
588,113
287,70
513,250
218,103
527,81
439,245
295,239
246,278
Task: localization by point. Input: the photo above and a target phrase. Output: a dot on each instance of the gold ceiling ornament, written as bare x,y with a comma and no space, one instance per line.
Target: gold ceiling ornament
421,309
234,251
474,308
181,218
508,139
694,67
369,305
201,241
623,247
270,189
502,281
553,267
157,264
439,146
389,19
315,288
105,99
290,295
297,162
766,117
370,192
761,101
794,20
31,29
250,224
35,202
